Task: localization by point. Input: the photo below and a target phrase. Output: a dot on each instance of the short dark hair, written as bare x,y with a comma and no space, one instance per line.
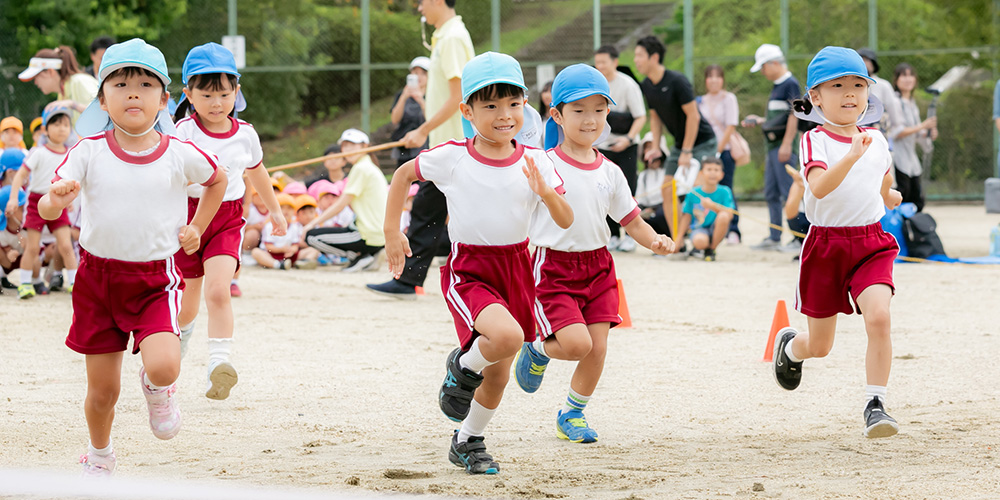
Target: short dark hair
450,3
610,50
58,118
715,69
711,160
652,45
495,91
101,42
331,149
129,72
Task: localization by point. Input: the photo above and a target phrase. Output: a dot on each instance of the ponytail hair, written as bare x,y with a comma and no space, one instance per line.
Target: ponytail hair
802,105
66,54
182,109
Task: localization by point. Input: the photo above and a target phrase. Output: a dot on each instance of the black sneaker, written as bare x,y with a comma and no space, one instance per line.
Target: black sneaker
472,455
787,374
709,255
878,423
41,289
394,289
5,283
458,388
56,283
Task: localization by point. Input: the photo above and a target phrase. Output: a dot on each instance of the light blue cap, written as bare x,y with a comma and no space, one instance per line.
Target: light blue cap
208,59
488,69
133,53
22,199
831,63
49,113
573,83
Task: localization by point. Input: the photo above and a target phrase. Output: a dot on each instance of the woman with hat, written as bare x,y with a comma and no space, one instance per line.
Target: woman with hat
56,71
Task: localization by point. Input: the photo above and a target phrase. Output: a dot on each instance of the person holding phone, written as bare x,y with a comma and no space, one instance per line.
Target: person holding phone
408,108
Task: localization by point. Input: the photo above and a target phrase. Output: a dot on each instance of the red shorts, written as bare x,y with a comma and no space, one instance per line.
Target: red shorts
476,276
838,263
114,298
223,236
280,256
35,222
574,287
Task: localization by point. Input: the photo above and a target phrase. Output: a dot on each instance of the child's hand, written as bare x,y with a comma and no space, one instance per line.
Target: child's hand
291,251
11,206
279,226
662,245
535,179
894,199
190,238
397,248
794,174
859,144
63,192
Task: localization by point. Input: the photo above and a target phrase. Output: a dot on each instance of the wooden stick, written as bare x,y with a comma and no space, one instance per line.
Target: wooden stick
369,149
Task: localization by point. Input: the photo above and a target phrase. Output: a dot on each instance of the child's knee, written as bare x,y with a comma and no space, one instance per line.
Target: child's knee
163,371
877,321
507,340
700,241
103,397
820,348
217,295
576,347
724,217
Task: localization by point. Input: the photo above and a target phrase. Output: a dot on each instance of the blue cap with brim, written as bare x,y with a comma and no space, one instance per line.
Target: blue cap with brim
573,83
11,159
133,53
831,63
22,199
208,59
487,69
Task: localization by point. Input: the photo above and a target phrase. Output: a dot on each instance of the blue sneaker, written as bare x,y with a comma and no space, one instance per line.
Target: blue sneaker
572,426
472,455
323,260
458,388
529,367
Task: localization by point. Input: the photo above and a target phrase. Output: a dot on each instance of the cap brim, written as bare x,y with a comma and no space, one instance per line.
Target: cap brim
29,74
473,90
578,94
756,66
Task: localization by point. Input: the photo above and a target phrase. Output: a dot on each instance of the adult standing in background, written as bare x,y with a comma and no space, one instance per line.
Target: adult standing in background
408,109
626,119
722,111
671,105
55,71
996,114
781,128
451,48
883,90
907,130
97,48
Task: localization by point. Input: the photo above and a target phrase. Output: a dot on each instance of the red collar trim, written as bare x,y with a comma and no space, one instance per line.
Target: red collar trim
580,165
503,162
224,135
837,137
127,157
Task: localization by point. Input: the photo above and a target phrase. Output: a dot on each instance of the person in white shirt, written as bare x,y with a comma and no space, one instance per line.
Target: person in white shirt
133,177
576,288
846,259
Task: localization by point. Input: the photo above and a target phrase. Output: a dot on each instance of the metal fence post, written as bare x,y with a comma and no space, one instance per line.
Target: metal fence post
366,76
495,25
784,27
873,25
232,18
597,25
688,39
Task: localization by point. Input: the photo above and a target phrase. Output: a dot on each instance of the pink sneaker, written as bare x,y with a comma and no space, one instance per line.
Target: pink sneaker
96,466
164,415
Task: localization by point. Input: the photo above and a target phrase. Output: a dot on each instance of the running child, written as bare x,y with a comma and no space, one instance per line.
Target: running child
846,255
493,185
212,95
132,177
38,170
576,288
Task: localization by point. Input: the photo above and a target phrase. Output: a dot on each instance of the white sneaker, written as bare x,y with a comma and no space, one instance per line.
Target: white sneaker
96,466
613,243
164,415
626,244
221,379
732,238
361,264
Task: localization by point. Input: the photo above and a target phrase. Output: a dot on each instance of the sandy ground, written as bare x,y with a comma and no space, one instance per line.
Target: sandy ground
338,391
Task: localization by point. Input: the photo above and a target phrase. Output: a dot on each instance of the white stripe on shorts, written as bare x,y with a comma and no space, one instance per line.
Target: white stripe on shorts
452,296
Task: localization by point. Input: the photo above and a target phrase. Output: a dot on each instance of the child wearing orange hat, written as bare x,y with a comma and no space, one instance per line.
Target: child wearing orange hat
280,252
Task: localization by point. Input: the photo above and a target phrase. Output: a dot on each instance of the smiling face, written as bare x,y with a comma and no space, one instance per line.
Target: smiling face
496,117
606,64
842,99
583,120
213,103
133,99
712,173
642,61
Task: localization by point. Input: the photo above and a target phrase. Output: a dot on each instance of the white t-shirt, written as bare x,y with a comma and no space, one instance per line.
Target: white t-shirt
135,205
649,187
42,164
292,235
236,151
594,191
489,201
857,201
255,216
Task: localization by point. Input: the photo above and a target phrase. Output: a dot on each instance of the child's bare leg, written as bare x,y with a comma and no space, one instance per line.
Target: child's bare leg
874,305
190,301
699,240
104,374
251,239
817,342
29,259
308,253
219,271
722,220
589,369
263,258
64,244
570,343
161,357
500,335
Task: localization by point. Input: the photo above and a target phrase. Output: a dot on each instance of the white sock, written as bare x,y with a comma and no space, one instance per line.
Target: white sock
57,273
71,276
37,281
277,264
473,359
875,390
788,352
101,452
539,346
25,276
149,385
575,401
187,330
475,423
219,350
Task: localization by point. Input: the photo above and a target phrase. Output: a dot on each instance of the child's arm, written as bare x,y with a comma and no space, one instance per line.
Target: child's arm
338,206
262,183
211,199
60,195
644,235
795,193
558,207
890,197
397,247
15,186
823,182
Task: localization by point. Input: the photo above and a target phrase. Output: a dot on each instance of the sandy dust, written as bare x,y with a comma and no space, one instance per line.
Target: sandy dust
338,391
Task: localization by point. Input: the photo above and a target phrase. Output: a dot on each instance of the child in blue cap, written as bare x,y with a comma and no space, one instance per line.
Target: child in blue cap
37,172
132,177
11,248
493,185
846,255
212,96
575,282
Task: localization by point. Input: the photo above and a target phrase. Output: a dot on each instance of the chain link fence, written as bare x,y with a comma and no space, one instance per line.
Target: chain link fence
310,74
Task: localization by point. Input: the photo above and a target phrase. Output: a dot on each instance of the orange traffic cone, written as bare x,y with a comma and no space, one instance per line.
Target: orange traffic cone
780,321
419,290
623,308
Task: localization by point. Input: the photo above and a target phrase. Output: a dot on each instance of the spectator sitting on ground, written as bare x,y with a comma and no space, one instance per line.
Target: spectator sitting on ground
795,207
305,212
37,133
280,252
326,194
705,211
648,192
11,134
256,214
